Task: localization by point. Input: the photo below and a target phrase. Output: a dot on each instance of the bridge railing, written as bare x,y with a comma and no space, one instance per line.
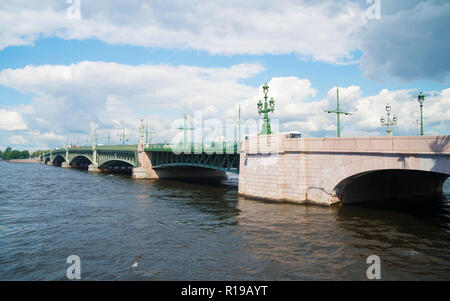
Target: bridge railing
133,147
195,148
81,148
84,149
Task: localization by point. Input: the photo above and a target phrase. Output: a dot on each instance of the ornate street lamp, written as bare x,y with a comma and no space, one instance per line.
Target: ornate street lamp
265,109
388,122
421,99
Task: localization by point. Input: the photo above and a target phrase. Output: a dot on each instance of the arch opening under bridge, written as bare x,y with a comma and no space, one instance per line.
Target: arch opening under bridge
80,161
391,185
117,166
207,162
58,160
190,172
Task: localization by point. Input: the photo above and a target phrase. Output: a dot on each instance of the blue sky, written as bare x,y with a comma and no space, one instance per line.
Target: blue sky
63,77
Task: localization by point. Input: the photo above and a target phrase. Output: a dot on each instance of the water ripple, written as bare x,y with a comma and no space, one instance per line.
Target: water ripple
167,230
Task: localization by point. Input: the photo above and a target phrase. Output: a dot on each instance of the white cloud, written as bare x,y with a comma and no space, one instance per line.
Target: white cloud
410,41
49,136
70,101
17,140
11,121
404,104
295,106
323,31
77,98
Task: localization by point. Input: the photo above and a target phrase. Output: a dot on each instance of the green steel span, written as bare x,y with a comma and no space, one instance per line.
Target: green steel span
220,156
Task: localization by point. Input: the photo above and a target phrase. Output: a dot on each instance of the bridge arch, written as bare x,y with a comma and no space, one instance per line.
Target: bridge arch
192,165
58,160
80,161
388,177
117,166
207,162
190,172
116,163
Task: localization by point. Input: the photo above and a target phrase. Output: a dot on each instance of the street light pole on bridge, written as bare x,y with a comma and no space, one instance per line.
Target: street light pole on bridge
239,122
421,99
185,129
95,138
388,122
265,109
147,134
338,112
123,137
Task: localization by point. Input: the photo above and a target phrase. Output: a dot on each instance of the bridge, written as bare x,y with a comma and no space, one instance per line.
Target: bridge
215,157
95,158
280,167
332,170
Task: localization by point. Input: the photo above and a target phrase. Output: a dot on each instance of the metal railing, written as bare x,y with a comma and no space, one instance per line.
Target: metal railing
198,148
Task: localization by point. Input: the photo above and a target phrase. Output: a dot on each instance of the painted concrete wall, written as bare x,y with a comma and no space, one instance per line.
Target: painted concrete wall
310,169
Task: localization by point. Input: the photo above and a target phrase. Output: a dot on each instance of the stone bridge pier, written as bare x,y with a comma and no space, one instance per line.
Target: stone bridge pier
332,170
145,170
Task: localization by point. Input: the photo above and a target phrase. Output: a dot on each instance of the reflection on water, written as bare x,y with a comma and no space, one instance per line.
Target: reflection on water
124,229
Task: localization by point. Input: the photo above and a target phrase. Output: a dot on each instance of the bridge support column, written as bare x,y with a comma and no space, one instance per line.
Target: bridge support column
141,173
145,170
65,165
93,168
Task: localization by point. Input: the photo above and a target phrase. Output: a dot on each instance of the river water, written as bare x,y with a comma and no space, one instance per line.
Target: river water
123,229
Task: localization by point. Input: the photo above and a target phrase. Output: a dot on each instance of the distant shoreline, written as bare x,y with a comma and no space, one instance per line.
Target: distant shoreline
30,160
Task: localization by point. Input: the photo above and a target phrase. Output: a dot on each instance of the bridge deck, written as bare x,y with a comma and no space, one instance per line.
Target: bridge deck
219,156
195,148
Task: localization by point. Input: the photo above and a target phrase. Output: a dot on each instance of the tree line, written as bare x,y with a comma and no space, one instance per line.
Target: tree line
10,154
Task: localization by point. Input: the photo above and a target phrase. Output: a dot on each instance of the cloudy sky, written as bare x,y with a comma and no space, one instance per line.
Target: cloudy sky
68,67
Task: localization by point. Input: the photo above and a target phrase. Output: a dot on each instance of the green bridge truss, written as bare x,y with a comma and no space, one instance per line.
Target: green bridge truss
109,155
217,156
220,156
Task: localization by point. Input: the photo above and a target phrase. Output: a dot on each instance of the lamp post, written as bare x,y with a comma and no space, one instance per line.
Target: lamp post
239,122
122,137
338,112
265,109
141,132
388,122
185,128
147,134
421,99
94,142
